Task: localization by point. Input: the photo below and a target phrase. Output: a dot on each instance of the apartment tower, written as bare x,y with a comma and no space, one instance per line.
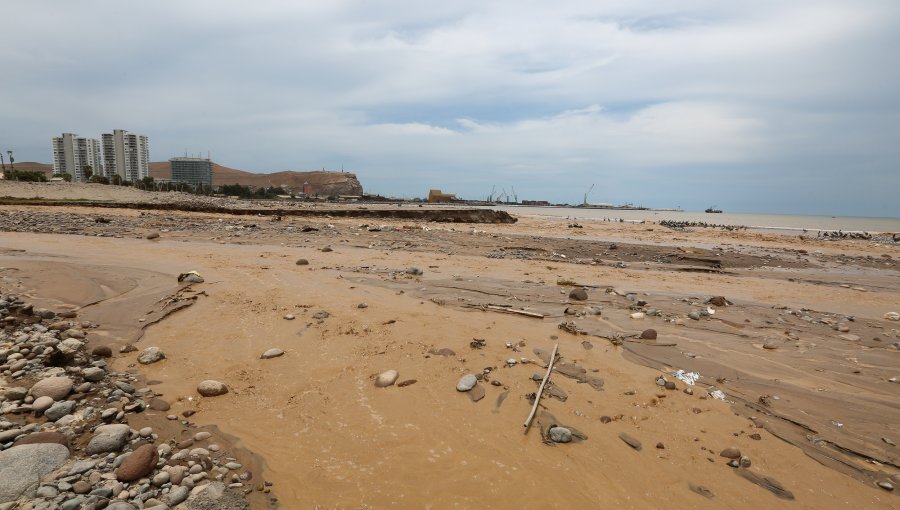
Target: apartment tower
73,154
126,155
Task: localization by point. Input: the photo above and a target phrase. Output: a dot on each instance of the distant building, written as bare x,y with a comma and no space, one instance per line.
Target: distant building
126,155
435,195
195,171
73,154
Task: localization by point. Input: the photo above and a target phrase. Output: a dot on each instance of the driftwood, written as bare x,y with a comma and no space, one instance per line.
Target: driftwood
537,397
495,308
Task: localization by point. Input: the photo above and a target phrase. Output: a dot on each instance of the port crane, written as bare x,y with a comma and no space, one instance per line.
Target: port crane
491,196
585,202
515,197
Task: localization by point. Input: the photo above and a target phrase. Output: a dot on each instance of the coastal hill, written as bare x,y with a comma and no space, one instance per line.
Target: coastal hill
320,182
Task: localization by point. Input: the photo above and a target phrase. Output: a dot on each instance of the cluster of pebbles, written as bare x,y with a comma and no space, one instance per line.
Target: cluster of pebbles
65,442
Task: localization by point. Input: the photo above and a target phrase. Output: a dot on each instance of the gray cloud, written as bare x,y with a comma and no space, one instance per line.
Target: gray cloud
769,106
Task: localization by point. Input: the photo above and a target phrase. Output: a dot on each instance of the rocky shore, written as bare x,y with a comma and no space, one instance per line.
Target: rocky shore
66,434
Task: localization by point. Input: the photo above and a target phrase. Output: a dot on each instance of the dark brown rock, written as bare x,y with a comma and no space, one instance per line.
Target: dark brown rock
81,487
578,294
649,334
43,437
102,351
158,404
731,453
719,301
139,464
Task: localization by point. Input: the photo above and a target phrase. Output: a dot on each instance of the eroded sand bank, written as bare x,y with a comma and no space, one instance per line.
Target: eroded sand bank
329,437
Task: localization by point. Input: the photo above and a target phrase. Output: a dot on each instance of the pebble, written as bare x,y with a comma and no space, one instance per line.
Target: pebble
466,382
272,353
730,453
694,315
302,262
630,441
745,461
289,317
41,404
93,374
560,435
648,334
888,486
150,355
56,388
386,378
637,315
578,295
211,388
145,432
202,436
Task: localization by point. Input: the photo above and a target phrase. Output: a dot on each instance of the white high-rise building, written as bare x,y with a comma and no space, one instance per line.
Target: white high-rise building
126,155
73,154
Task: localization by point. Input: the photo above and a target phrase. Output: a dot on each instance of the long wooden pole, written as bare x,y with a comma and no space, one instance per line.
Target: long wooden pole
537,398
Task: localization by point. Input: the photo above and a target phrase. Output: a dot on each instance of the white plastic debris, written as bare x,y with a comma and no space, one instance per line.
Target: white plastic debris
717,394
710,311
687,377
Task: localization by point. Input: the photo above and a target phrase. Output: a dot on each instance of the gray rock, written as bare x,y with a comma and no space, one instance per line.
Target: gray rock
56,388
177,495
121,505
560,435
14,394
23,467
150,355
214,496
466,383
210,388
108,438
93,374
9,435
59,409
272,353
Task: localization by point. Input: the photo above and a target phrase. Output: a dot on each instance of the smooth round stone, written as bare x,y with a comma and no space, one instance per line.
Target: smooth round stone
745,461
578,294
202,436
302,262
146,432
648,334
731,453
41,404
56,388
466,382
560,435
272,353
289,317
210,388
386,378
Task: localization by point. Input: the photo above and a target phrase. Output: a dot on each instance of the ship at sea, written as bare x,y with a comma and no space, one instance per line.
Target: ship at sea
713,210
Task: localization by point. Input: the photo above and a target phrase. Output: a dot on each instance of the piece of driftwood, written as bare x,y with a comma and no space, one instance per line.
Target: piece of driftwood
537,397
495,308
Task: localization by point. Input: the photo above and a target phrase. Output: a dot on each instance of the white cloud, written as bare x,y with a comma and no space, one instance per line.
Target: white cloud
410,91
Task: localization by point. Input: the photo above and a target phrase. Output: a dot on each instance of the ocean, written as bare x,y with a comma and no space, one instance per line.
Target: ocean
752,220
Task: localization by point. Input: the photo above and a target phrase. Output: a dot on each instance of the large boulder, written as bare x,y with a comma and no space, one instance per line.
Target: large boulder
57,388
23,467
139,464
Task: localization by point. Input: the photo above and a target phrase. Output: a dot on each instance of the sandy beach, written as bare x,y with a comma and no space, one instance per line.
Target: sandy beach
797,368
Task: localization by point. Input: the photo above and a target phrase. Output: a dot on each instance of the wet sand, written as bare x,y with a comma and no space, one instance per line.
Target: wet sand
330,438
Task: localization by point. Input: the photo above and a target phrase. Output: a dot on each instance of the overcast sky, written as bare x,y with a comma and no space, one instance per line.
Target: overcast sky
766,106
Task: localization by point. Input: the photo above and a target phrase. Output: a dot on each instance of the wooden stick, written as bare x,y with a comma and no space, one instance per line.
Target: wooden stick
495,308
537,398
